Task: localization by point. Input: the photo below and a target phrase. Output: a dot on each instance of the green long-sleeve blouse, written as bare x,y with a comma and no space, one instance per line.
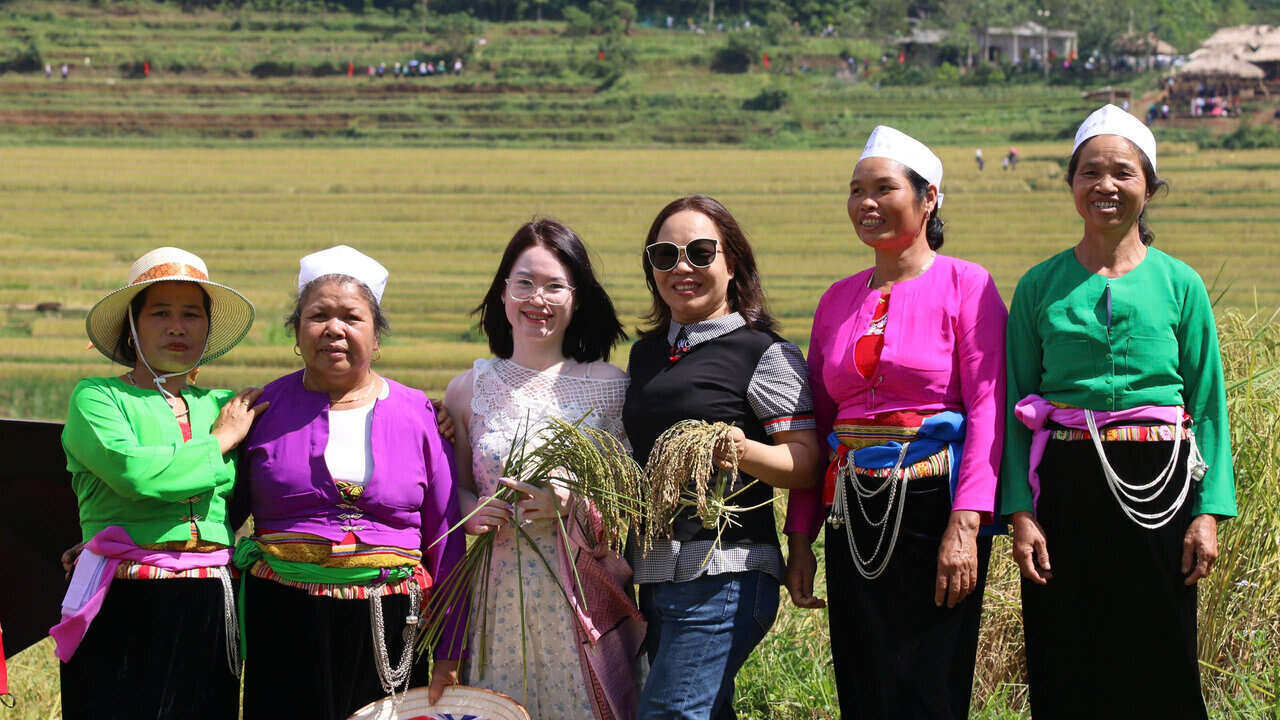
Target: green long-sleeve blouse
130,467
1145,338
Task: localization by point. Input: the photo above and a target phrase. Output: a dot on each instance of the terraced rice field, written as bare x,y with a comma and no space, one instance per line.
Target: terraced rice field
75,218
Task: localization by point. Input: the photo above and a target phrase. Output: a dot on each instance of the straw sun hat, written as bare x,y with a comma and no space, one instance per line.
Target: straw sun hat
457,703
230,313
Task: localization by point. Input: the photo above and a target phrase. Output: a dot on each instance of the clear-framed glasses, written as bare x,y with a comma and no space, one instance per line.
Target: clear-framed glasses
553,293
700,253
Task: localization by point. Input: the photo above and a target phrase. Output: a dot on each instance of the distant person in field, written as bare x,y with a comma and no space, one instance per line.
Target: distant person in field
149,622
349,484
1117,465
709,352
906,361
65,71
977,155
48,71
551,327
1012,158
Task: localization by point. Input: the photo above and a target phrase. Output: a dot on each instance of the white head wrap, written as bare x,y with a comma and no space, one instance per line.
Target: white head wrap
1111,120
343,260
886,142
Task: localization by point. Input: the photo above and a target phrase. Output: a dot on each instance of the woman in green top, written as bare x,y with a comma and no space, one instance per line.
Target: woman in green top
1117,462
148,624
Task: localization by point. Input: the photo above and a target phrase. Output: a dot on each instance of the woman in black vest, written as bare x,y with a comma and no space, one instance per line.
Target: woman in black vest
710,353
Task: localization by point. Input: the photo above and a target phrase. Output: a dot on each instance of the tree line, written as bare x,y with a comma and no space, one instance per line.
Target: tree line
1184,23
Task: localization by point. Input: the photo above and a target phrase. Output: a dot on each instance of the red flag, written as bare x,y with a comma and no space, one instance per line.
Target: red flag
600,54
4,675
902,57
765,59
146,68
351,69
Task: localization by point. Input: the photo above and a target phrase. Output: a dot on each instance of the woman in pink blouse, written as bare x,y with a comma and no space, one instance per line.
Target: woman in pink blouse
906,361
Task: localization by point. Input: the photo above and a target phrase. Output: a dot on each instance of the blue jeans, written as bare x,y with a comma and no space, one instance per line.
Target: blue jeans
700,633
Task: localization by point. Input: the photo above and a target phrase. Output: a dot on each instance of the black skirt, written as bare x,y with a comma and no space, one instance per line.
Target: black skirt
312,657
896,654
157,649
1113,633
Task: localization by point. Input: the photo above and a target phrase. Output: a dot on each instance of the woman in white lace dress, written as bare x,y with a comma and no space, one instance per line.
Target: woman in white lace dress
550,326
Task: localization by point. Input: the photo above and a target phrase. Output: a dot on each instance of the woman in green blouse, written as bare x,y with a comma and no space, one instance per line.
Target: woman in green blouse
1117,462
148,625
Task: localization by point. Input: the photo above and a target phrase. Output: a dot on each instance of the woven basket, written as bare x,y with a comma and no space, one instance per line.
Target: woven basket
459,702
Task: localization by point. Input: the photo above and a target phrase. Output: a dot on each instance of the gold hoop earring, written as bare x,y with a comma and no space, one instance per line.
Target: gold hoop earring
129,341
297,351
377,354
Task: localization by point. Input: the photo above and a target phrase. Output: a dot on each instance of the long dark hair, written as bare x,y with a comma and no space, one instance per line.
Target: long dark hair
594,328
745,294
1154,183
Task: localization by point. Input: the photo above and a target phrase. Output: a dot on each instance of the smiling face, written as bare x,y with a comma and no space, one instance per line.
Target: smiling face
337,334
172,326
1109,186
694,294
883,206
534,320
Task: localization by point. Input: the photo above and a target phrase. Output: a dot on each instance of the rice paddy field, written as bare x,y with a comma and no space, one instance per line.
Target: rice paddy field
73,219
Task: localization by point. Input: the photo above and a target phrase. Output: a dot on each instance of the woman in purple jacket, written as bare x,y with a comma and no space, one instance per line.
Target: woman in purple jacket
350,485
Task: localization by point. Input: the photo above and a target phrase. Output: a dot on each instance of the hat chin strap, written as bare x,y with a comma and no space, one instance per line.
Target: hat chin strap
156,377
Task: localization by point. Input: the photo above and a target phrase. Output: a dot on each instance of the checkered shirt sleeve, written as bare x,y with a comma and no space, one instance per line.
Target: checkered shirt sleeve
779,390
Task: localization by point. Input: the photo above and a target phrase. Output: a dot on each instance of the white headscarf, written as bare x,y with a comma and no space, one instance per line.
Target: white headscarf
343,260
1111,120
893,144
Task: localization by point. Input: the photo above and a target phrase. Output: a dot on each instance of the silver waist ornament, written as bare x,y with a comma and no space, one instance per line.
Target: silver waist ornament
847,476
1130,495
396,679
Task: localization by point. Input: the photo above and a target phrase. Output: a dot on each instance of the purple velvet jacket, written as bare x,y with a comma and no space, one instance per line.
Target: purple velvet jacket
408,502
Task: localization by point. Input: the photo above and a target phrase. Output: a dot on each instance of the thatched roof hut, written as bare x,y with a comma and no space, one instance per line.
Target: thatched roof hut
1266,53
1143,44
1221,66
1267,57
1249,36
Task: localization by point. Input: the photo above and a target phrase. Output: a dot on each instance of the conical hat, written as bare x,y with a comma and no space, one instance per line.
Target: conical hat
458,701
230,313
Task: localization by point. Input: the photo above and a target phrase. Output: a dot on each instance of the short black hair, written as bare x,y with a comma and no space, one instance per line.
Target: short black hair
745,293
932,229
1154,183
380,323
594,328
124,348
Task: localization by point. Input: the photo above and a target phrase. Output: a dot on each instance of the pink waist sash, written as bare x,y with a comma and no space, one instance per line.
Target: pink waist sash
96,568
1035,412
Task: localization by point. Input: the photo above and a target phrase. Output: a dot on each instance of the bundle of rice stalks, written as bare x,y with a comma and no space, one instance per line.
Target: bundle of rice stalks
593,465
679,472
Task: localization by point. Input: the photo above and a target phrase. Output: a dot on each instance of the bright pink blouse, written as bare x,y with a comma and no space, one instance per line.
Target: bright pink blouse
943,350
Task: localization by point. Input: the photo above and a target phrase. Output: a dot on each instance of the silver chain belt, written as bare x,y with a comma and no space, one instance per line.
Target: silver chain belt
840,516
396,679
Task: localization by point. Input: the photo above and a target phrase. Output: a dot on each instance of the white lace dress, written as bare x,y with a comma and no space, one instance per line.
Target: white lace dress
548,681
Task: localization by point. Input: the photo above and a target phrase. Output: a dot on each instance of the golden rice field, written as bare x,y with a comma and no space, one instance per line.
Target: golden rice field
73,219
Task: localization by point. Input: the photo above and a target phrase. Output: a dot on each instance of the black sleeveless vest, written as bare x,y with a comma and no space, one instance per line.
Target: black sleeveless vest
709,383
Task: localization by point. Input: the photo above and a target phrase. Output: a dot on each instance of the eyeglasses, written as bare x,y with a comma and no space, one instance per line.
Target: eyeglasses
553,293
700,253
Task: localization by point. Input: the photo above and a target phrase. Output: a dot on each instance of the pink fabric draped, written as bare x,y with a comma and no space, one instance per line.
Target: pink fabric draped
114,544
1035,412
610,629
